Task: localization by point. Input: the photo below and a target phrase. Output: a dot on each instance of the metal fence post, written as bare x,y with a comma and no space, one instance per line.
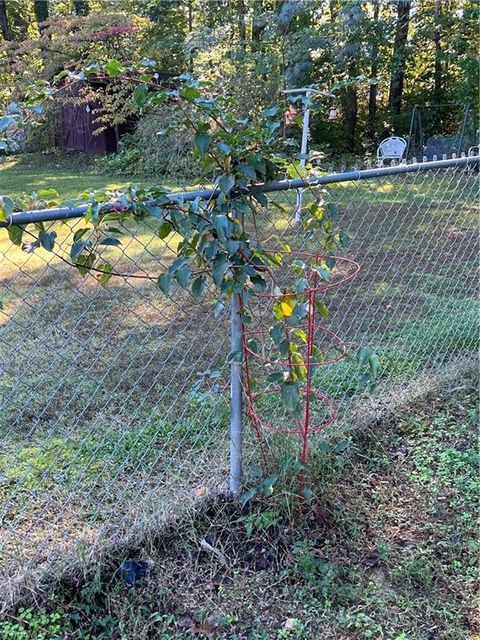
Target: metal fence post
236,390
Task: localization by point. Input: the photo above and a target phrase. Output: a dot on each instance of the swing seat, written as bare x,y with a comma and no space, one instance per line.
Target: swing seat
439,146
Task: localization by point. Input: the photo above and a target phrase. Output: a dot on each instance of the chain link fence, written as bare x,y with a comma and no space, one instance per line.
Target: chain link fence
115,400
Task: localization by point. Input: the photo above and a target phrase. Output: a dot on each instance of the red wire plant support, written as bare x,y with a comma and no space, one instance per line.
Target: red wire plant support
258,343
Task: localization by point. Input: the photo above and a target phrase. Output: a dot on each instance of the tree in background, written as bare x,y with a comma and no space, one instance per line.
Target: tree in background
399,55
41,10
81,7
383,56
4,27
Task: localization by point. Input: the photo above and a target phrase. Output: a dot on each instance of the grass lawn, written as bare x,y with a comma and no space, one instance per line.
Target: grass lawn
390,556
67,173
101,438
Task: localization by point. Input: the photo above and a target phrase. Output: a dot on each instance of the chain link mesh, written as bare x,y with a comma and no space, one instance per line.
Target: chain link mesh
108,428
414,302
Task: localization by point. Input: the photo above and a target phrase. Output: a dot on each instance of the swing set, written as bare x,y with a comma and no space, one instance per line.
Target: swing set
459,125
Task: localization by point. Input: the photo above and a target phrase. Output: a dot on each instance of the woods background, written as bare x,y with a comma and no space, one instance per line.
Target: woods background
382,56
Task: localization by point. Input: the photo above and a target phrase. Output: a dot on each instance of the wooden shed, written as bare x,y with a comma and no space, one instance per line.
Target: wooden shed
77,128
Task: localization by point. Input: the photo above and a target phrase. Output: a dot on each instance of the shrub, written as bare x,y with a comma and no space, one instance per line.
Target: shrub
154,149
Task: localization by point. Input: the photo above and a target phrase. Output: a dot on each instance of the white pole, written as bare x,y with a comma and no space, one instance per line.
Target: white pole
308,91
303,152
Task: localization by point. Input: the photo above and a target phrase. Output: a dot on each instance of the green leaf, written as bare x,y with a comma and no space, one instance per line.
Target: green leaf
183,276
220,224
79,233
300,333
296,170
307,494
5,122
234,356
224,148
290,396
277,333
218,307
247,170
268,484
7,207
247,496
322,271
374,363
189,93
225,183
47,239
363,355
300,285
276,377
85,263
344,239
252,345
322,309
202,142
198,286
159,98
164,230
261,198
164,282
219,267
272,111
140,97
49,194
77,248
104,277
15,234
113,68
111,242
232,247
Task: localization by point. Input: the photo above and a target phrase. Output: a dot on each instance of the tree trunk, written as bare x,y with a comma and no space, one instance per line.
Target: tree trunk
81,7
257,29
242,31
41,10
399,56
4,26
333,8
190,29
437,34
372,93
351,114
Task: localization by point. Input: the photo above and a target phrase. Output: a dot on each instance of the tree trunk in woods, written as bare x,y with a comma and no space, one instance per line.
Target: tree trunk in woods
351,114
372,92
4,27
242,31
81,7
40,8
399,56
257,26
333,10
437,34
190,29
348,18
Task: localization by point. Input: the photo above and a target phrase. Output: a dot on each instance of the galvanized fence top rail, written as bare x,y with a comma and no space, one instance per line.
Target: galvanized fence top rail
67,213
115,402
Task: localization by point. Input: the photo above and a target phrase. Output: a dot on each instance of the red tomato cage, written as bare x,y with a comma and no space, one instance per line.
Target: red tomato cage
320,346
